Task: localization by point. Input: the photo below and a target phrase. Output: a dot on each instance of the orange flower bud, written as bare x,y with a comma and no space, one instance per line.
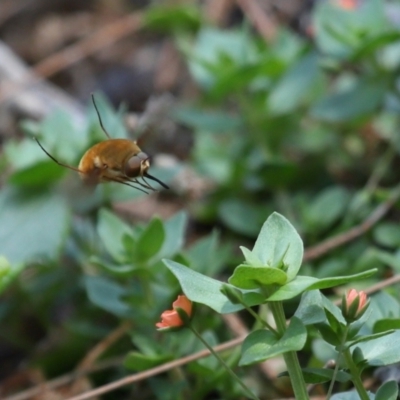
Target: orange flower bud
173,318
348,4
354,304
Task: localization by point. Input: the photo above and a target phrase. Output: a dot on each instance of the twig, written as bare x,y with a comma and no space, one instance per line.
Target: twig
10,8
65,379
101,347
157,370
263,22
84,367
38,100
320,249
74,53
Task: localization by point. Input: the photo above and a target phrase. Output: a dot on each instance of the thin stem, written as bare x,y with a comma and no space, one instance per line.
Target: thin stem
258,318
234,376
344,338
355,375
290,357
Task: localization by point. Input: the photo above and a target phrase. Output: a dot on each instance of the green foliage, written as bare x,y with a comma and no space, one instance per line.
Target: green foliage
261,345
298,127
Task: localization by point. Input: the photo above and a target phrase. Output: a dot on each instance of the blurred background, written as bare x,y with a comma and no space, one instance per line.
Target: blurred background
245,107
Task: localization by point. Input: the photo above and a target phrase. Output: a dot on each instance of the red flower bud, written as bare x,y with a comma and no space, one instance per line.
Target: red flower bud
354,304
173,318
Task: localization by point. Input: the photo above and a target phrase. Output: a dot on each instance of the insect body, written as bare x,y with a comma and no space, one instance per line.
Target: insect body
114,160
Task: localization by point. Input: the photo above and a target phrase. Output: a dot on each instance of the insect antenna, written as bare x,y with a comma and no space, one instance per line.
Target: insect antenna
55,160
98,115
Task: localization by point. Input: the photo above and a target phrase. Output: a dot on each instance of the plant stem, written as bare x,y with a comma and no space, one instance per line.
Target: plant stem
216,355
343,341
258,318
291,360
355,374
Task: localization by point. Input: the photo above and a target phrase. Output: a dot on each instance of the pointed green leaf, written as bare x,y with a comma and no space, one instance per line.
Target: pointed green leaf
261,345
366,338
386,324
310,310
121,270
174,228
112,230
278,241
202,289
294,86
249,277
107,295
151,240
362,98
250,257
303,283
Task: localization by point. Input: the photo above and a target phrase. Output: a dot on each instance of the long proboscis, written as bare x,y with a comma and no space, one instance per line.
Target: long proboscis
147,175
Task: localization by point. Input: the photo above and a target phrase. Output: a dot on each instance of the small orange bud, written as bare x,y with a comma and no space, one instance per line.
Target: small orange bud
354,304
348,4
172,318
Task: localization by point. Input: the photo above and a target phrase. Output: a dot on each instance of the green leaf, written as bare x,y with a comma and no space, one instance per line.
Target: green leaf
8,273
5,267
202,289
213,44
382,314
366,338
387,234
278,241
151,240
173,18
208,121
375,43
327,207
303,283
240,216
107,295
121,270
388,391
207,256
32,225
261,345
112,231
363,97
250,258
39,174
386,324
136,361
328,334
310,310
249,277
295,85
380,352
174,230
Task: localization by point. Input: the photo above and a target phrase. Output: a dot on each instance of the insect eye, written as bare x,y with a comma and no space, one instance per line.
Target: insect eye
136,164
